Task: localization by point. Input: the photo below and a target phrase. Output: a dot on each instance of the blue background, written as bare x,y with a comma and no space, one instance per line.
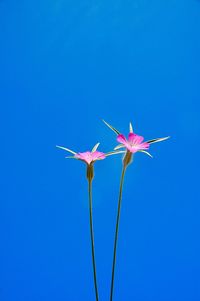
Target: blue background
64,65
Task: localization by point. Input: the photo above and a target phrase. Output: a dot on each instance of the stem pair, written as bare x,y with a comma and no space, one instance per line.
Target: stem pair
90,174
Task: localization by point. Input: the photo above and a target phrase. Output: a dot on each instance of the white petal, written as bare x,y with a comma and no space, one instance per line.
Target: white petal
95,147
66,149
115,153
130,128
119,146
145,152
157,140
112,128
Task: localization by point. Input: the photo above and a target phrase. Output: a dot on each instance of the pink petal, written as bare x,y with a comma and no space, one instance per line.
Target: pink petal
131,137
135,148
137,139
144,145
84,157
90,157
97,155
121,139
131,149
78,156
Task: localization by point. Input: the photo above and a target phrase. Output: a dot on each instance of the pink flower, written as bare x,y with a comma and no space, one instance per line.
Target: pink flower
90,157
133,143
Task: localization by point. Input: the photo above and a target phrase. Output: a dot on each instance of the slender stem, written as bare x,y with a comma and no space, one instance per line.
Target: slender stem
116,231
92,238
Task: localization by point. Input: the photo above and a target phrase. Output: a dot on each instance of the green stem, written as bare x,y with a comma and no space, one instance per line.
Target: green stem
116,230
92,238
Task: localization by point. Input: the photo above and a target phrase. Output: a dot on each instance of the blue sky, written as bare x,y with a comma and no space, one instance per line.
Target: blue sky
65,65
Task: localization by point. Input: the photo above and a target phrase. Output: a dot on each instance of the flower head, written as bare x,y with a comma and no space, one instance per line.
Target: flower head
134,143
90,157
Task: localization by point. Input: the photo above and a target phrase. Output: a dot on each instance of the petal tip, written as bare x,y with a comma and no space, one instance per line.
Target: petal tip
130,128
111,127
95,147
